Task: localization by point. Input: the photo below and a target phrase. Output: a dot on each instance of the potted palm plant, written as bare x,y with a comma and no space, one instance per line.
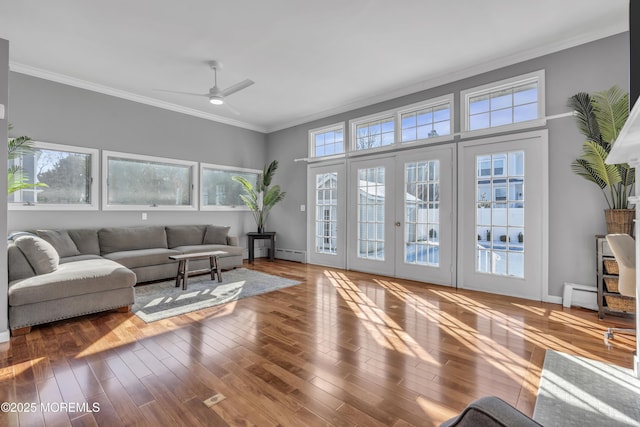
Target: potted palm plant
16,177
261,197
600,117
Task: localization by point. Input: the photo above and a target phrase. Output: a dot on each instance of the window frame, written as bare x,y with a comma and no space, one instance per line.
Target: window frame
466,95
106,155
94,198
324,129
430,103
381,116
203,207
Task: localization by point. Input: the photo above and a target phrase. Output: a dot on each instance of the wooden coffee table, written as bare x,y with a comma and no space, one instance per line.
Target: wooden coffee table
183,265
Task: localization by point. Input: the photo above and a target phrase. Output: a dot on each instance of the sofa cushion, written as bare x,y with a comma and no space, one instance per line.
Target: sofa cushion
216,235
116,239
142,257
81,257
71,279
190,249
86,239
181,235
19,267
61,241
41,254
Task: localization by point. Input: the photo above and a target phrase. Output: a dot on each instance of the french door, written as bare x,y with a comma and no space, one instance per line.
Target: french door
502,243
371,215
401,215
326,215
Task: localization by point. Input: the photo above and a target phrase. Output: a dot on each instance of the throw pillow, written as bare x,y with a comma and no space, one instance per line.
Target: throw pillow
61,241
41,254
216,235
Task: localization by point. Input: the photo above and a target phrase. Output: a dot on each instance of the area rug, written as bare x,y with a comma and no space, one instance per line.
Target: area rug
161,300
575,391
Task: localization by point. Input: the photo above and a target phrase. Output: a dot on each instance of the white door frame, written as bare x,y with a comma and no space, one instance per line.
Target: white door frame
445,274
339,259
539,137
387,266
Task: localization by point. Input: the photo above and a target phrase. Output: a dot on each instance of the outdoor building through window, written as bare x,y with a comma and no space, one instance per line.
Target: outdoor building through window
55,177
139,182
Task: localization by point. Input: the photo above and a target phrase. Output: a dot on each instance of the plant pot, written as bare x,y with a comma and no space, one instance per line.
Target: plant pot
620,221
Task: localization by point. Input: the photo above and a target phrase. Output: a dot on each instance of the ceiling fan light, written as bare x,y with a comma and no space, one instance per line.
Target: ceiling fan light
216,100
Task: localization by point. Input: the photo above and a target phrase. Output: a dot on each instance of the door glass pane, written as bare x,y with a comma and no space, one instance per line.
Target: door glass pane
500,214
326,222
422,208
371,201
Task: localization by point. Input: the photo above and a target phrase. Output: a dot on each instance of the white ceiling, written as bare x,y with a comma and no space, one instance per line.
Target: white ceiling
309,59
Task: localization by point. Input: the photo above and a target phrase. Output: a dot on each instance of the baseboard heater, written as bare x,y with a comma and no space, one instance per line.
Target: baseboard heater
291,255
580,295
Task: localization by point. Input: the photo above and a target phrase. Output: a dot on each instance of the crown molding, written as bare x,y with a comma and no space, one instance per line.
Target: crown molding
449,77
95,87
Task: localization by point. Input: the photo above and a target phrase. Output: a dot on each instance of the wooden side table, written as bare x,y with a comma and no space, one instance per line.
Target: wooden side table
183,265
267,235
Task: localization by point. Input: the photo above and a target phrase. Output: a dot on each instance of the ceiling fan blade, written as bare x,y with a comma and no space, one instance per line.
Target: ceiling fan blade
238,86
182,93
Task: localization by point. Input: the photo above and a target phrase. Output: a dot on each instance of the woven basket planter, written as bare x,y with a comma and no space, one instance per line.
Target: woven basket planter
620,221
611,266
621,303
611,283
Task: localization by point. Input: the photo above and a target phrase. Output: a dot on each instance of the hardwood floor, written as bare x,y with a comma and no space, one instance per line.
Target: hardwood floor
343,348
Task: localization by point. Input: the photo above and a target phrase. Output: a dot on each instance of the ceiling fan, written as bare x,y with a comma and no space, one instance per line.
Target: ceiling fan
216,95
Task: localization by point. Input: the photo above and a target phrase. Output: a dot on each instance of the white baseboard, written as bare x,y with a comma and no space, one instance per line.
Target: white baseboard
5,336
291,255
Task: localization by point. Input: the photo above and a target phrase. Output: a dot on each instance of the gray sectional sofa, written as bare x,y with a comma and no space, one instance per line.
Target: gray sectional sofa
58,274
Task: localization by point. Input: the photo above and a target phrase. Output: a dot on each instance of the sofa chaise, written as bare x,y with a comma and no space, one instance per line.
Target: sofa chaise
58,274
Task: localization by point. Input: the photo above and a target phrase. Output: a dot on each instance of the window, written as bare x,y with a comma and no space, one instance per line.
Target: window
426,121
500,218
218,190
517,103
371,133
64,176
326,213
134,182
327,141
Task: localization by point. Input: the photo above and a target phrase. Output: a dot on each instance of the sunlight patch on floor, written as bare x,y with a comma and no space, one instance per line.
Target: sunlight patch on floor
382,328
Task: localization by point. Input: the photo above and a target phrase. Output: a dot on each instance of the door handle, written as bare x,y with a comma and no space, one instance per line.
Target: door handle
397,223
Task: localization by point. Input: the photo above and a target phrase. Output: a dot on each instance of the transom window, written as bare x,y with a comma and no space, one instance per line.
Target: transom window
374,133
426,121
54,177
509,102
327,141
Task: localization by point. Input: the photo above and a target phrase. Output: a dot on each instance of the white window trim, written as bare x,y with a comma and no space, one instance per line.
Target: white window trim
106,155
465,95
353,124
204,207
93,206
323,129
434,102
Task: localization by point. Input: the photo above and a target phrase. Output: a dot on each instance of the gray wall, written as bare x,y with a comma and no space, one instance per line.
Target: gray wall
53,112
575,205
4,99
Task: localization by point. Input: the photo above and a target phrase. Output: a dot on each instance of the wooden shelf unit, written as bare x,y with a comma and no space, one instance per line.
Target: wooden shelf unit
607,274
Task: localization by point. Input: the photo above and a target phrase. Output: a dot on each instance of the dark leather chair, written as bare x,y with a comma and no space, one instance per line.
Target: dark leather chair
490,412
